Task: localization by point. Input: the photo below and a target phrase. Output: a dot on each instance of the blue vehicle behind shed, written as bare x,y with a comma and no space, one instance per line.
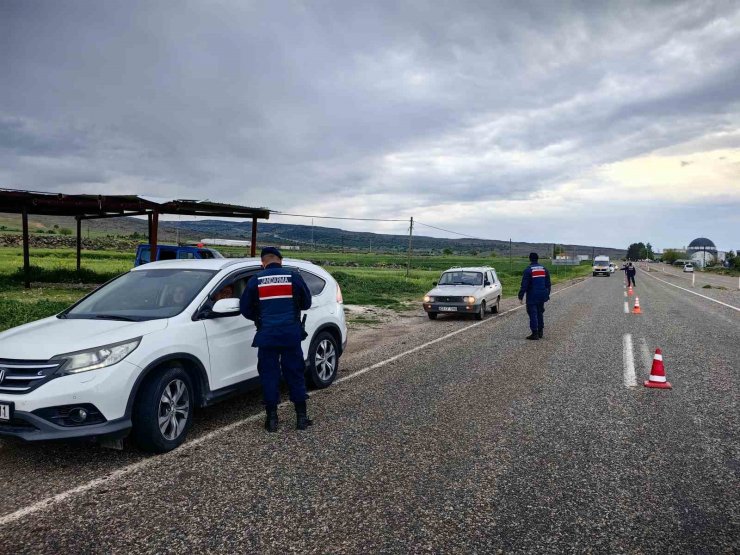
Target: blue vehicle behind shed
174,252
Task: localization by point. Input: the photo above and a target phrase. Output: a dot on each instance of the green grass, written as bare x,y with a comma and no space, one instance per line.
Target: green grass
366,279
390,288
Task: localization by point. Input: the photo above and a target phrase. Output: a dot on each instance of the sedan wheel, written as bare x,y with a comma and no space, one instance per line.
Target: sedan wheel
482,311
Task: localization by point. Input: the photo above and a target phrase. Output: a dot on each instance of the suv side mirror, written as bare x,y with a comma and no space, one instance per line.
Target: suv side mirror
225,307
434,283
487,283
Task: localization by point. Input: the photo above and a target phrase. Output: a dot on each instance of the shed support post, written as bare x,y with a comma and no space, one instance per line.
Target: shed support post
153,236
26,261
253,246
79,242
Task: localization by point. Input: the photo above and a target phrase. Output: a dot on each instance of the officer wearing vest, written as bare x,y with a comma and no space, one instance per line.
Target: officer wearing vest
273,299
631,272
536,285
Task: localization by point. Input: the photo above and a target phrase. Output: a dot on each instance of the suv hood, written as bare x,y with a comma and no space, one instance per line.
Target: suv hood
455,291
43,339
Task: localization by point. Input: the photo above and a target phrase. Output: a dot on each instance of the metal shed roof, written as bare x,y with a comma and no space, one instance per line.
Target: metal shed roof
97,206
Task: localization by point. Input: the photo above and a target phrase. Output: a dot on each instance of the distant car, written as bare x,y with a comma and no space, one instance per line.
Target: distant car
175,252
602,266
465,291
688,268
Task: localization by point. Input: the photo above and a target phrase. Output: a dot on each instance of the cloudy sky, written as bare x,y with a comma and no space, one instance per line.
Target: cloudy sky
585,122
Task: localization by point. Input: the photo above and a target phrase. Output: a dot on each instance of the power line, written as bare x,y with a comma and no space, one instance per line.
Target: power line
453,232
278,213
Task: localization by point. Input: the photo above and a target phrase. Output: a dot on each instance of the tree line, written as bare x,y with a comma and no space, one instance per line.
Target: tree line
640,251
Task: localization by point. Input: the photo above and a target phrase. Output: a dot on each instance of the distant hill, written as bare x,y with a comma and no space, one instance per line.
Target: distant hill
303,236
329,237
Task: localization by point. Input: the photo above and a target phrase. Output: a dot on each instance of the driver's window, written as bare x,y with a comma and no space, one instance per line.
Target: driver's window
233,289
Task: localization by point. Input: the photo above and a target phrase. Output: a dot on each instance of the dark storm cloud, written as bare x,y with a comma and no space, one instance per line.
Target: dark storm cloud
292,102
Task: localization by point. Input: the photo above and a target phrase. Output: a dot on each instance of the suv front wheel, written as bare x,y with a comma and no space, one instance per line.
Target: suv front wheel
163,412
323,360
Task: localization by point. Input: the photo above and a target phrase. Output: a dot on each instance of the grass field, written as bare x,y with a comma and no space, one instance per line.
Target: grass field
369,279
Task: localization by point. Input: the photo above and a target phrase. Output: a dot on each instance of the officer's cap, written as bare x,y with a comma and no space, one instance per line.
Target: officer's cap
271,250
533,257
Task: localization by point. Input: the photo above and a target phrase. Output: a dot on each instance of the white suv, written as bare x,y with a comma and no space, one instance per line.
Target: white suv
141,352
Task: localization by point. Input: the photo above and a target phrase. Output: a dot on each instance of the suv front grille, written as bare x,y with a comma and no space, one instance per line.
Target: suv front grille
22,376
448,299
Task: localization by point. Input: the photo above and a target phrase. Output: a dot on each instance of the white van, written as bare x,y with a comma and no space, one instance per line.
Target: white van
601,266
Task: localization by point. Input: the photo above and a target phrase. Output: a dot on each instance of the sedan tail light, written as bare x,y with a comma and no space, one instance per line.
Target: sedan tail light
340,300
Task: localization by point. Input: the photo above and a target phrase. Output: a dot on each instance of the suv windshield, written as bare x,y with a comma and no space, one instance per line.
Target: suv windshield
143,295
461,278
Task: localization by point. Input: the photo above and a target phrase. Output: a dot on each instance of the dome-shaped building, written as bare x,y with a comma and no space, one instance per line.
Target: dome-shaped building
702,251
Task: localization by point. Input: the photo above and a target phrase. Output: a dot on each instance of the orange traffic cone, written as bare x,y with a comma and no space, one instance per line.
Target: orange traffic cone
637,310
657,373
630,292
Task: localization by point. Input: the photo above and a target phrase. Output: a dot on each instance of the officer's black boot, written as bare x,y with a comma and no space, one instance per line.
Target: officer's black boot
271,420
301,413
534,336
540,333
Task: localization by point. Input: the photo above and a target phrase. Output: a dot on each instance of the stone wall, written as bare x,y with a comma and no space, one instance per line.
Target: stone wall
38,241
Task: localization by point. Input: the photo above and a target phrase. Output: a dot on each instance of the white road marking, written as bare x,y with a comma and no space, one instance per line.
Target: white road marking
625,294
630,380
190,444
626,307
694,292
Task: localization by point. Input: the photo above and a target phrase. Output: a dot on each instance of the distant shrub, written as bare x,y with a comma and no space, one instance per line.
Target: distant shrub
65,231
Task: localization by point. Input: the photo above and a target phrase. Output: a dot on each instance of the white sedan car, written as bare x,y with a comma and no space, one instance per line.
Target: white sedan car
464,291
141,352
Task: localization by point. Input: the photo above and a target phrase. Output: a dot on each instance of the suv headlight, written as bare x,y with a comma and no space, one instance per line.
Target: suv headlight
428,299
469,300
99,357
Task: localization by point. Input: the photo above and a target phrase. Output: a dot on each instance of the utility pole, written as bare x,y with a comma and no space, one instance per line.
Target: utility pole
411,234
313,243
510,261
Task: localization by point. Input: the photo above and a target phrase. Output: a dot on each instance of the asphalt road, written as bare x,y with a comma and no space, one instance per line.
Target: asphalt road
700,278
475,443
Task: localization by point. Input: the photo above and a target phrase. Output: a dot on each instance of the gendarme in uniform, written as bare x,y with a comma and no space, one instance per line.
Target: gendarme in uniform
536,286
274,299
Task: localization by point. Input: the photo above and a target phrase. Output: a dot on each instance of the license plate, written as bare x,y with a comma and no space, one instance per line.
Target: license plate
6,412
447,309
